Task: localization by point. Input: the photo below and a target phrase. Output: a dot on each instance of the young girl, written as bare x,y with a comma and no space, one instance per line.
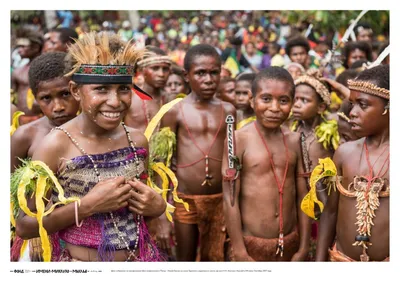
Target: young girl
98,162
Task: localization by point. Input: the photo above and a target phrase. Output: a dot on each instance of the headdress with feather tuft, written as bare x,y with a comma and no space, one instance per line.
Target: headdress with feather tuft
103,58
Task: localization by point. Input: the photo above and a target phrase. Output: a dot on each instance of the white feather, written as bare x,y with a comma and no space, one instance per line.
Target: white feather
351,27
381,57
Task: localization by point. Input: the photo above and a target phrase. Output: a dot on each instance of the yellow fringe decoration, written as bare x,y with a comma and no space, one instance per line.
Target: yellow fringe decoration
156,119
42,173
30,98
15,121
245,122
294,125
325,169
23,248
160,168
328,133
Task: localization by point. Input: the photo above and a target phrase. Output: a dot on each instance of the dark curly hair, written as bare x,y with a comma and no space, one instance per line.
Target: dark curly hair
273,73
67,35
45,67
297,41
200,50
378,75
351,46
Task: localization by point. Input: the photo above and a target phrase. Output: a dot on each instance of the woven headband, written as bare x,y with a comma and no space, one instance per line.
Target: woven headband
154,60
369,88
317,85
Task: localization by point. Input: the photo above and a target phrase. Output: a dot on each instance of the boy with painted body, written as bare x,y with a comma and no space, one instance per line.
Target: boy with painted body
199,124
262,212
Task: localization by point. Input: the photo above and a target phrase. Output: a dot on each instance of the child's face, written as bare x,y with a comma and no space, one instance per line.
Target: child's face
175,84
345,132
272,102
105,104
204,76
298,54
242,95
294,71
156,75
53,43
356,55
366,114
227,92
306,104
55,100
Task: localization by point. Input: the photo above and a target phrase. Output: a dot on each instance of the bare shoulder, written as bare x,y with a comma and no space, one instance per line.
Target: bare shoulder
293,139
228,107
244,136
348,148
137,137
53,147
28,132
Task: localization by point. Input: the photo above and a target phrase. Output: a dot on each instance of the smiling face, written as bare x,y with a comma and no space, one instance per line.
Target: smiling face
106,105
366,114
204,76
272,102
306,103
156,75
56,101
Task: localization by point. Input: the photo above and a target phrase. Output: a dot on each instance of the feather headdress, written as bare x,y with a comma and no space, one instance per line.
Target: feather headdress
104,58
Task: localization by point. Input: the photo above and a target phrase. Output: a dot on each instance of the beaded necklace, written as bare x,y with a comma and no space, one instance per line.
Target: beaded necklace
139,217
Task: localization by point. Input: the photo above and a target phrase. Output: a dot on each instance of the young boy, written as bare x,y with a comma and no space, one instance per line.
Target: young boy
245,113
226,90
262,212
59,39
297,49
156,68
52,94
30,45
359,230
199,124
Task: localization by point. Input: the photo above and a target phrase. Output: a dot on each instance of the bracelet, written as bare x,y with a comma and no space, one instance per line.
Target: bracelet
76,215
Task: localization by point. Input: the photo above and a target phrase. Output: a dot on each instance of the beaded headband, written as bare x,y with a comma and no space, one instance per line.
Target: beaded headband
154,60
317,85
103,74
102,58
369,88
23,42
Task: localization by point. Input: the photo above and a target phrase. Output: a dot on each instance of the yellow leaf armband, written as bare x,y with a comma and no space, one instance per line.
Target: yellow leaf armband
36,178
325,169
15,121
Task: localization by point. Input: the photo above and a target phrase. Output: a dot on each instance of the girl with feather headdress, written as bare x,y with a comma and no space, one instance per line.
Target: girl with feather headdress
83,186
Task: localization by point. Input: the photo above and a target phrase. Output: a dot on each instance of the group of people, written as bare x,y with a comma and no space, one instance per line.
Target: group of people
250,156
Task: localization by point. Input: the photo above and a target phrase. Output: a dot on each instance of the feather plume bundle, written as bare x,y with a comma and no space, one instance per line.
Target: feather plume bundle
102,49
